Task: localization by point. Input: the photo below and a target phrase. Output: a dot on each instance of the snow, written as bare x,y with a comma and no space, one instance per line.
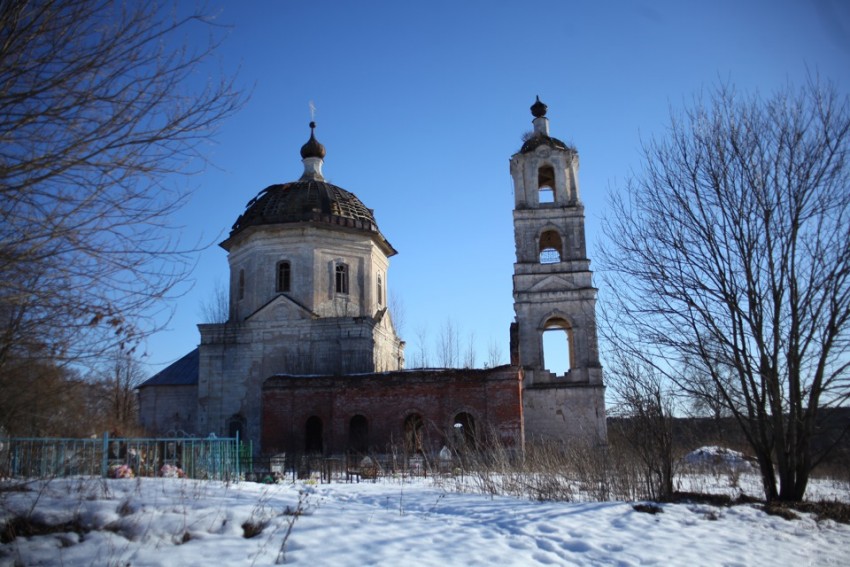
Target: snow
396,521
713,456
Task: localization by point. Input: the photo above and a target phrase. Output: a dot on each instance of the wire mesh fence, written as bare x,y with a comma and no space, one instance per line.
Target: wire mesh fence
213,458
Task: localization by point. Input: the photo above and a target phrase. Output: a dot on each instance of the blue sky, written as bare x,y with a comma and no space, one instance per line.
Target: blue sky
421,104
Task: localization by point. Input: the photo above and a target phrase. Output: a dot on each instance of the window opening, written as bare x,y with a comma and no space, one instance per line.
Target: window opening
236,425
380,290
284,275
358,434
546,184
241,292
464,428
550,247
557,347
413,428
342,278
313,435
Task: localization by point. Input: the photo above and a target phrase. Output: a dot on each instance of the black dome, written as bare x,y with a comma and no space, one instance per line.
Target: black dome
313,148
309,201
538,109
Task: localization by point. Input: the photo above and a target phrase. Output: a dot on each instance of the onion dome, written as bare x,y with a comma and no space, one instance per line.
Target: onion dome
313,148
538,109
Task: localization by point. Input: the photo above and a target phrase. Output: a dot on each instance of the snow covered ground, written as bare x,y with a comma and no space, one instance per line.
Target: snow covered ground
163,521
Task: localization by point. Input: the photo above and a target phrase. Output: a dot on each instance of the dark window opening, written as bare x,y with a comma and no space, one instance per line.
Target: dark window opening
313,435
241,292
342,278
380,290
358,434
550,247
236,426
464,430
413,429
284,275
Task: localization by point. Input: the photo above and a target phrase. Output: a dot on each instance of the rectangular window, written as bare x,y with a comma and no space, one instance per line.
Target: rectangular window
380,290
241,290
342,278
284,276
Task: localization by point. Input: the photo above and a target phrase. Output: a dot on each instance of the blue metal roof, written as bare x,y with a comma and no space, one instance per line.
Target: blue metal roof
183,372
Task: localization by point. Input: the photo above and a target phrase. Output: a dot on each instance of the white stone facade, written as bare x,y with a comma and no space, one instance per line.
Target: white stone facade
553,289
324,314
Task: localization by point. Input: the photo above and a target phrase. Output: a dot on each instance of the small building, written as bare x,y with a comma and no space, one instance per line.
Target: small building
309,361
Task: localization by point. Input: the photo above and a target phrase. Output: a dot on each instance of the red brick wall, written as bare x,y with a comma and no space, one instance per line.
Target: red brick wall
491,397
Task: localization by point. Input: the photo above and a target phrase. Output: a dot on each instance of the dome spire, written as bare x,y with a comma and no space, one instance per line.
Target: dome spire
312,156
541,123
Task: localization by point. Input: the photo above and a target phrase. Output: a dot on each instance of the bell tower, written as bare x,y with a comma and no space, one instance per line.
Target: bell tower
553,291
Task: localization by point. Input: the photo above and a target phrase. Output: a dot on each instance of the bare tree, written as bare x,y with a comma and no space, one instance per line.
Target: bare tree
494,353
422,358
729,256
398,313
96,112
448,344
469,354
216,308
118,386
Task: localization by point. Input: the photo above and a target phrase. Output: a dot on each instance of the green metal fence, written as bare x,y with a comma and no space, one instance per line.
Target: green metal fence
213,458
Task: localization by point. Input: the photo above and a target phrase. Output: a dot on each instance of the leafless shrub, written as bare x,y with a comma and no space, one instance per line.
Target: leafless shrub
293,515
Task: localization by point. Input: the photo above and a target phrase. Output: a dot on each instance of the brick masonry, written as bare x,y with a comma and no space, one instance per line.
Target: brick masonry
492,398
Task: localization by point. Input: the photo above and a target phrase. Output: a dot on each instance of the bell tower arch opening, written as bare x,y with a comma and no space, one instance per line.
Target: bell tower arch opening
557,341
551,247
546,184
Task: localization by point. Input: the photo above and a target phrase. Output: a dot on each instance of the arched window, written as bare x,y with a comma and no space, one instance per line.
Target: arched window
546,184
413,429
550,247
284,276
464,429
241,285
342,278
313,435
557,347
236,426
380,290
358,434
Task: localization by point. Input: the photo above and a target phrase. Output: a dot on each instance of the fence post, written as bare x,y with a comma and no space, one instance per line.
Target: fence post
104,464
238,456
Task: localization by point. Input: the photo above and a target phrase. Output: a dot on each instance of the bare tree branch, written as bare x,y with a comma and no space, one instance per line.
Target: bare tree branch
729,258
97,110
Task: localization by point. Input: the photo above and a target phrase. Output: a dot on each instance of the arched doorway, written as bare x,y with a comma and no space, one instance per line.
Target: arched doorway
464,430
236,426
358,434
413,429
313,435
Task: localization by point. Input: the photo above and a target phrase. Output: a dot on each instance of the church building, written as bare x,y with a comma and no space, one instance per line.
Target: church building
308,360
